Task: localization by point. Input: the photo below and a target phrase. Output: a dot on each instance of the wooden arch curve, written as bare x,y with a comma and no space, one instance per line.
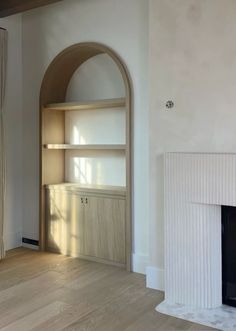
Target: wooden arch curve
62,68
53,90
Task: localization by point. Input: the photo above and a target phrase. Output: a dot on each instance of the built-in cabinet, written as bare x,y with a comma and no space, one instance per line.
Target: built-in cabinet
87,223
91,220
104,228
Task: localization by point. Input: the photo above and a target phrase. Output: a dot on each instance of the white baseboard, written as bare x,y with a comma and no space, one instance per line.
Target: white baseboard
155,278
36,248
12,240
140,263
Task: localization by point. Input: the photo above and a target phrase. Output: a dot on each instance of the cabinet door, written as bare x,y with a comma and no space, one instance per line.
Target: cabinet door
64,217
104,229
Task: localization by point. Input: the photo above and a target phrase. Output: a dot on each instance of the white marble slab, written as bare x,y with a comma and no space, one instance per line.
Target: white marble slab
222,318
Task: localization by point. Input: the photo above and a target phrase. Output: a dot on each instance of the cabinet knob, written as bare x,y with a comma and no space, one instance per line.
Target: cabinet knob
86,200
82,200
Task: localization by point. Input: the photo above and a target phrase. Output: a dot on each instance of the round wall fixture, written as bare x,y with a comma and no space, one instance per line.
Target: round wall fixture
170,104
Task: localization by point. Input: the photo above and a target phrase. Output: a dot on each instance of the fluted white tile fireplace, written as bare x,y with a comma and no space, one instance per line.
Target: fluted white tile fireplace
196,186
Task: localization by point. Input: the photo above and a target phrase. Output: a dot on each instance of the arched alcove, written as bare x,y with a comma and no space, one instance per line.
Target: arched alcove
52,121
62,68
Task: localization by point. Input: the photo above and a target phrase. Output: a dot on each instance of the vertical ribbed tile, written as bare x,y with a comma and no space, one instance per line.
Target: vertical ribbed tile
196,185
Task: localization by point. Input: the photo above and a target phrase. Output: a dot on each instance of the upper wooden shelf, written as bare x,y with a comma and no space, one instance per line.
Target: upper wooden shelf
99,104
85,147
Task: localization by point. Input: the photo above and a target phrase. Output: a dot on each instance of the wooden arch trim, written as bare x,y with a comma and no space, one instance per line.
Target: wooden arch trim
62,68
53,90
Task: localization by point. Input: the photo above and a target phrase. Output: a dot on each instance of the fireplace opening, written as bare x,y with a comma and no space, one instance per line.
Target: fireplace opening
229,255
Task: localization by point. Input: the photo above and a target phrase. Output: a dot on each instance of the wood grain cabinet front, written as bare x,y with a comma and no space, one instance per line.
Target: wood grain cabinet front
86,226
104,228
65,218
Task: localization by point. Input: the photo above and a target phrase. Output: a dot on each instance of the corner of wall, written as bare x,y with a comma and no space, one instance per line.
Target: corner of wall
155,278
12,240
140,263
14,122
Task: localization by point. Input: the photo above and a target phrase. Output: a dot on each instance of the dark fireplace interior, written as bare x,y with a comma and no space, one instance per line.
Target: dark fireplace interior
229,255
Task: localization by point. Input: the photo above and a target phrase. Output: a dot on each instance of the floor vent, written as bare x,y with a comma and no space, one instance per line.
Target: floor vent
30,241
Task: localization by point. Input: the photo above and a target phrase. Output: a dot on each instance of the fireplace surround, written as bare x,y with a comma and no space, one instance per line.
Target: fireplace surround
196,186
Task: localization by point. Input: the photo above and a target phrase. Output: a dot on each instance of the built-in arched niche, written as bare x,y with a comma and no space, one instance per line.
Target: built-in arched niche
67,88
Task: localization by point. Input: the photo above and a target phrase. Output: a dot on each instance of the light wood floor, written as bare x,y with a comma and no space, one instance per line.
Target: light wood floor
43,291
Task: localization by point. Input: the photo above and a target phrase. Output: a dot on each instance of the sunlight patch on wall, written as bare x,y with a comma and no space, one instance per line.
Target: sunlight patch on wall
96,167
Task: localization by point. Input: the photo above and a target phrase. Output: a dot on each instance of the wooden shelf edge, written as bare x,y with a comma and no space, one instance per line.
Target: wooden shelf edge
88,188
84,147
98,104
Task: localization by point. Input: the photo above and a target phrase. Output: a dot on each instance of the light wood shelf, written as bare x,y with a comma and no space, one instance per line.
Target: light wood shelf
98,104
85,147
88,188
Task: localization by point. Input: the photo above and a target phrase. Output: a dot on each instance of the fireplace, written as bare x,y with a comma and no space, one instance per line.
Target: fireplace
197,185
229,255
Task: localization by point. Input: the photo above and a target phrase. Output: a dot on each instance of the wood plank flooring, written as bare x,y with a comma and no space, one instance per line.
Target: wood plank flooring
44,291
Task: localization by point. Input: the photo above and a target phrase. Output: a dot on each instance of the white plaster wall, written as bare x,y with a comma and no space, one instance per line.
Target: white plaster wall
192,62
121,25
13,108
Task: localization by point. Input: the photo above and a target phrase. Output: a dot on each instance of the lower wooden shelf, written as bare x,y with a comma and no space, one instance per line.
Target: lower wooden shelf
85,147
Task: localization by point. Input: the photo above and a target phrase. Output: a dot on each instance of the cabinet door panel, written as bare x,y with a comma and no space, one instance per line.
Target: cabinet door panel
104,229
64,216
